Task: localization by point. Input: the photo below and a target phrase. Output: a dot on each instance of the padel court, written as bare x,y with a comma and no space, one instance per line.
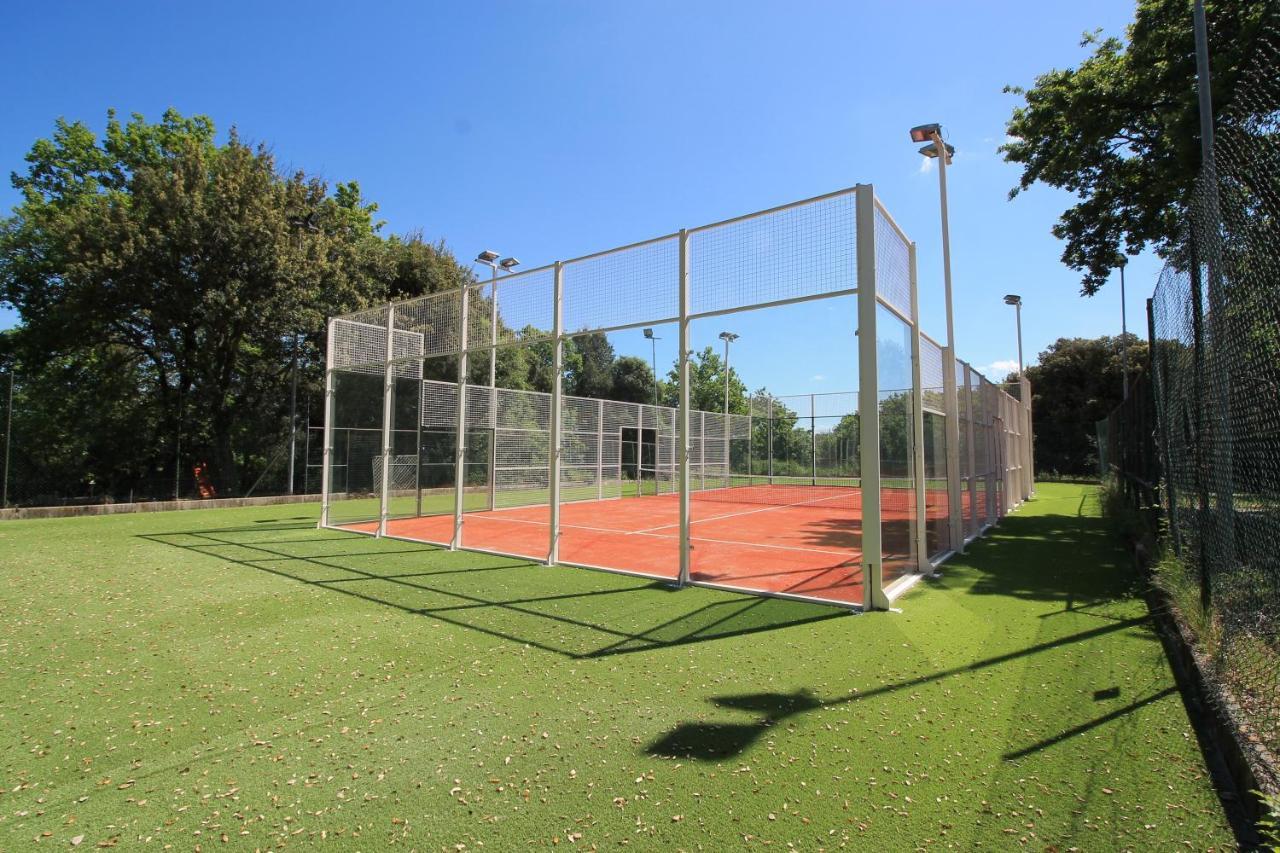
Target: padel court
448,419
799,541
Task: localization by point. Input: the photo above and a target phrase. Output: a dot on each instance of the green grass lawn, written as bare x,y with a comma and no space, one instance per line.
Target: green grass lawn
236,675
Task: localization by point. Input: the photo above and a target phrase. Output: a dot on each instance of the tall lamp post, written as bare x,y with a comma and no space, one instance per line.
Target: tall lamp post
1124,331
490,259
936,149
653,341
728,338
1016,301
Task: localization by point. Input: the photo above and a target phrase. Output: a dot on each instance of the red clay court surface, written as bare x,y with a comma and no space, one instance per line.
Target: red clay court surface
745,538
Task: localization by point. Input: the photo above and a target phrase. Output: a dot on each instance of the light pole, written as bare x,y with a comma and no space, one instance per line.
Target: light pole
648,333
728,338
942,152
490,259
1124,331
1016,301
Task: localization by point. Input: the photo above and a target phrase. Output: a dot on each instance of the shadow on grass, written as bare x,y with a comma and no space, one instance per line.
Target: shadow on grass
1062,557
1065,558
715,742
466,589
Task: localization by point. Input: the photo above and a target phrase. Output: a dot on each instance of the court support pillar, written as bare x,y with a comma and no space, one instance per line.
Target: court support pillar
951,403
971,447
417,451
600,450
813,439
869,402
460,424
326,476
557,402
683,438
921,515
769,453
1028,472
388,416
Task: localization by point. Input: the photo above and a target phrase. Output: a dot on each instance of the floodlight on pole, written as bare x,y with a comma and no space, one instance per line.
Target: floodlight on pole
728,338
653,340
1016,301
490,259
1124,331
942,152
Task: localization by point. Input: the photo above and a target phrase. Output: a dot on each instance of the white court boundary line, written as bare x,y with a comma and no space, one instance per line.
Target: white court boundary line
652,532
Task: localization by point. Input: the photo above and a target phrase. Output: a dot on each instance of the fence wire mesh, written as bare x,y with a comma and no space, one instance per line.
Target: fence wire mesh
1202,438
463,431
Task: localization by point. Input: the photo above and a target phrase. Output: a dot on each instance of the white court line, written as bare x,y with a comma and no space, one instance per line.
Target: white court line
654,535
745,512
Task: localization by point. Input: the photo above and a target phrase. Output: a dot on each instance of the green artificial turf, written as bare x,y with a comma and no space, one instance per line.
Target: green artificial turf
237,676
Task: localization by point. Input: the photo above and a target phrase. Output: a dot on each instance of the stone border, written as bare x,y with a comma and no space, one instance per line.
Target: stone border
1246,761
25,512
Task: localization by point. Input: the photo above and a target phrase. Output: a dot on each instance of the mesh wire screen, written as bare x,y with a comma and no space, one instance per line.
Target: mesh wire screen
1215,324
525,305
932,377
800,453
433,320
893,265
801,251
624,287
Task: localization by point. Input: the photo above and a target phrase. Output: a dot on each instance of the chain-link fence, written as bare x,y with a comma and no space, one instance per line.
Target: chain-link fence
49,459
1211,417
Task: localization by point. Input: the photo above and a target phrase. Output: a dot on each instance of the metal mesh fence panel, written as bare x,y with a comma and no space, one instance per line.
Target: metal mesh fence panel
624,287
774,496
893,265
800,251
1202,435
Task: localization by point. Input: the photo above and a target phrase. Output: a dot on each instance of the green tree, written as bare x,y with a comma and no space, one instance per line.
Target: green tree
632,380
196,270
706,384
1076,383
593,374
1121,131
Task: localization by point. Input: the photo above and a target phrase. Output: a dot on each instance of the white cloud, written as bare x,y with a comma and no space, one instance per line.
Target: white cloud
997,370
926,165
817,377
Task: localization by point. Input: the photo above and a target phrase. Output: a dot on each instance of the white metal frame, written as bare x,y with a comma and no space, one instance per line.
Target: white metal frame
1017,479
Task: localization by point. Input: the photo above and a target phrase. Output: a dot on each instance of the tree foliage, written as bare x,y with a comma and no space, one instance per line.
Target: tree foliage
192,271
1121,130
1076,383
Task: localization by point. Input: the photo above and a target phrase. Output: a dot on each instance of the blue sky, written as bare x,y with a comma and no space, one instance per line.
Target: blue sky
552,129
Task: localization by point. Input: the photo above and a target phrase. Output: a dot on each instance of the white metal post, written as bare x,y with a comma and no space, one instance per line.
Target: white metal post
683,415
388,417
969,445
702,450
553,472
326,477
460,425
769,449
917,422
869,402
951,403
726,414
493,389
813,440
600,450
949,360
1028,461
